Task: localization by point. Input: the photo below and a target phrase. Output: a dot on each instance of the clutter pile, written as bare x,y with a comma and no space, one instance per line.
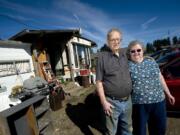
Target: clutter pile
39,86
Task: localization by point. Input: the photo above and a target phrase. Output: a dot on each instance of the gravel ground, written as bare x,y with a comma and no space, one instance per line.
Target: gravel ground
80,114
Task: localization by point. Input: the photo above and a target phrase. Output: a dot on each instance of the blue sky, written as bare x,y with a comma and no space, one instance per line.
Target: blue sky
145,20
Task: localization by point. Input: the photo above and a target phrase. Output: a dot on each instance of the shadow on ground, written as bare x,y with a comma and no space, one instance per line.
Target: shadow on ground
86,115
173,114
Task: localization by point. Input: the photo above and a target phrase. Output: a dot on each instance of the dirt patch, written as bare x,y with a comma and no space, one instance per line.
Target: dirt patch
173,126
80,114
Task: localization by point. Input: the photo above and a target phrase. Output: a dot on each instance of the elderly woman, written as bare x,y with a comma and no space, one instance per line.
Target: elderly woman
148,92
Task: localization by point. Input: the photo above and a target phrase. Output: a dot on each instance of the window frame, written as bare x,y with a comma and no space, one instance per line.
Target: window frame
13,67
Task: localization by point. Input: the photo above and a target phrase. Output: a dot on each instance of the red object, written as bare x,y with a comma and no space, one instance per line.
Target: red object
174,87
171,73
84,72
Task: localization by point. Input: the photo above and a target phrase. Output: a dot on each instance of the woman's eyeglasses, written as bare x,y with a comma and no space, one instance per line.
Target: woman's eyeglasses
138,50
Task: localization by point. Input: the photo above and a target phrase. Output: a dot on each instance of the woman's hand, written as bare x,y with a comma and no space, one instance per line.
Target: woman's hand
171,99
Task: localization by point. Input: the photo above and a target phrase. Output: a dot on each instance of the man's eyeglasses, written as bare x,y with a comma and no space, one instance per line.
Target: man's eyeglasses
138,50
114,40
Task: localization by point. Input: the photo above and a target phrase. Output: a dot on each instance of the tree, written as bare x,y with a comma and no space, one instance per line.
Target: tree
149,48
168,41
175,40
158,44
178,42
104,48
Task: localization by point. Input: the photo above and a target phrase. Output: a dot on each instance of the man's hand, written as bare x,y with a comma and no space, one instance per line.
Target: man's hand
107,108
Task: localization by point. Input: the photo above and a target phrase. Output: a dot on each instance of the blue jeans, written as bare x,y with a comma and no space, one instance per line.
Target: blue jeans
120,121
152,114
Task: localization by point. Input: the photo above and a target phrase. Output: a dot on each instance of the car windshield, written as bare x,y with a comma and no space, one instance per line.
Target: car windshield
160,53
174,69
168,57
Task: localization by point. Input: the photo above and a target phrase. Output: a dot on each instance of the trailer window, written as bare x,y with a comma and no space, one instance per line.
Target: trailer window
13,67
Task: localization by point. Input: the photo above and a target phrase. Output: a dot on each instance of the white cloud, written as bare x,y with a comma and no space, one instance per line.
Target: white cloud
158,33
69,14
147,23
94,22
175,32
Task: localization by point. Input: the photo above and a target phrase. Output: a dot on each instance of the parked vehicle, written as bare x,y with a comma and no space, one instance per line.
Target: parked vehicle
170,68
164,52
168,58
160,53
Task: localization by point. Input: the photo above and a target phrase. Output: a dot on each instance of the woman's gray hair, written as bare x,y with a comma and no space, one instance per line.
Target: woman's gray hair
132,44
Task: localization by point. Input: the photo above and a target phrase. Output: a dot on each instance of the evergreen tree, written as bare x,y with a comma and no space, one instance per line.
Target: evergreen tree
149,48
158,44
175,40
168,41
178,42
104,48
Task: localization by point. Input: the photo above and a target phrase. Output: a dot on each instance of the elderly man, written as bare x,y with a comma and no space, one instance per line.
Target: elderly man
114,86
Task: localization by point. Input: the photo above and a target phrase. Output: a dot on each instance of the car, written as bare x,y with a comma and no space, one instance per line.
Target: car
168,58
171,72
160,53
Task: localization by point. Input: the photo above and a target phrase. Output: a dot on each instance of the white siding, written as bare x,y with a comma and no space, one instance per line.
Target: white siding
81,41
13,52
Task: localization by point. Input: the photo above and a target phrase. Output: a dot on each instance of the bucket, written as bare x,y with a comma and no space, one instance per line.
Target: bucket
85,81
